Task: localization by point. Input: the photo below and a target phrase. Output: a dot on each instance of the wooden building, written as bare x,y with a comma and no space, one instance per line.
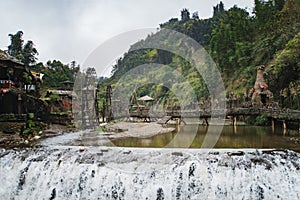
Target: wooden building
18,87
59,100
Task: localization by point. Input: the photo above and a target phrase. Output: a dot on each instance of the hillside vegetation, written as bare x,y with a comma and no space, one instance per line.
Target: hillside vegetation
238,42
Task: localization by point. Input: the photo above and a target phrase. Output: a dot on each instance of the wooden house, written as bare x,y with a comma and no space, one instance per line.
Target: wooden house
18,87
59,100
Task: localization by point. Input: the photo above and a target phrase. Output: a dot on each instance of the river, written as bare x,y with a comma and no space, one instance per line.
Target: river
258,137
192,136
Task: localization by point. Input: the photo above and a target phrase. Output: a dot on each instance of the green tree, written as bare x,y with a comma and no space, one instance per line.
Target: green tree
185,15
24,53
55,73
267,14
15,48
29,53
195,16
219,9
286,68
231,39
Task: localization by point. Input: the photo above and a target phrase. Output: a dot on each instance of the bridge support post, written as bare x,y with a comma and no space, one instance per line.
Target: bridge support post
235,129
234,122
284,127
178,121
273,125
205,122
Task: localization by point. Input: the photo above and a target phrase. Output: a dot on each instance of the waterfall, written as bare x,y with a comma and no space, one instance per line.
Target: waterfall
133,173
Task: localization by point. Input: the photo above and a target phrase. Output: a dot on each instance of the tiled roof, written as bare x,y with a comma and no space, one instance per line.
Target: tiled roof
5,57
60,92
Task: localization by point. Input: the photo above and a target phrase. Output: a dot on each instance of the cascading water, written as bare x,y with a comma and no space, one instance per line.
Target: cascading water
129,173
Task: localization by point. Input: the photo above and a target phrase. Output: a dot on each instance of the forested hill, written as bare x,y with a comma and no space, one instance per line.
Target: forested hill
238,41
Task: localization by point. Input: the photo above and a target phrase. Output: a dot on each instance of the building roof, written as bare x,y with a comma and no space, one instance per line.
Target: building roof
60,92
8,61
67,82
146,98
5,57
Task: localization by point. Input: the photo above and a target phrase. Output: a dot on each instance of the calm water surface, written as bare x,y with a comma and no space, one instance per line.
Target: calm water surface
242,137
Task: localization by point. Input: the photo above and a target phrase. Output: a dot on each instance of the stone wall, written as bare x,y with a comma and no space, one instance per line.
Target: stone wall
62,119
11,127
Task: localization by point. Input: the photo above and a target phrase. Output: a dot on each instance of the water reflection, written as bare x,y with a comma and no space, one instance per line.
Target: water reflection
241,137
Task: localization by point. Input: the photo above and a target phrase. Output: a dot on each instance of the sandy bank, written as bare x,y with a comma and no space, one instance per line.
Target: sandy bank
140,130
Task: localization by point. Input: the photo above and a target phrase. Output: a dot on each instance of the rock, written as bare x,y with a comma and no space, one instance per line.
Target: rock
37,137
127,152
81,149
238,153
8,131
177,153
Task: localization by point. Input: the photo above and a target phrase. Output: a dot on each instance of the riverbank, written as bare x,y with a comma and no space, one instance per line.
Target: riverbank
12,140
62,136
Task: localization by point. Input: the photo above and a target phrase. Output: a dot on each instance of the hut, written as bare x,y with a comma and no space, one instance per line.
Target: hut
141,109
146,98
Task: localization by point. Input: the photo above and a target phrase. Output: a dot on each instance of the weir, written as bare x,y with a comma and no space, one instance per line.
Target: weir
128,173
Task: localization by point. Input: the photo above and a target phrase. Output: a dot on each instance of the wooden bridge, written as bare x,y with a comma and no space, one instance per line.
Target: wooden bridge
280,114
276,115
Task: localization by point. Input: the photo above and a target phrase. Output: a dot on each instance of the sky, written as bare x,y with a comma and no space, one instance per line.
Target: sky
68,30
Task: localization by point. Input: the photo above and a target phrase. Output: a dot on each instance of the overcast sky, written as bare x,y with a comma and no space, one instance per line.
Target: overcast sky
69,30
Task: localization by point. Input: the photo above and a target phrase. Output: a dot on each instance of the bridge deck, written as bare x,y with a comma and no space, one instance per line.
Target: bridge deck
164,120
279,114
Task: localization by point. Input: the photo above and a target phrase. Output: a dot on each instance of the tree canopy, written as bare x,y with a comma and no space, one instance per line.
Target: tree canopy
25,53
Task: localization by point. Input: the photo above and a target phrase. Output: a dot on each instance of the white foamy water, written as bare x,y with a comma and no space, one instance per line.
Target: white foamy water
128,173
